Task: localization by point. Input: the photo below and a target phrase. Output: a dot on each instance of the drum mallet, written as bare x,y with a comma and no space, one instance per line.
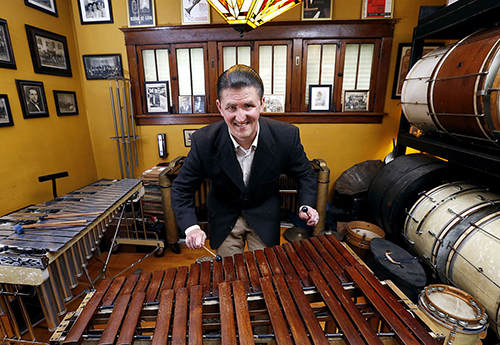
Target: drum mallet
67,215
18,228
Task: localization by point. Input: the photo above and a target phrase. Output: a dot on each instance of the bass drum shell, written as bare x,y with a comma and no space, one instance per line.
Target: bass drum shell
395,188
438,211
414,100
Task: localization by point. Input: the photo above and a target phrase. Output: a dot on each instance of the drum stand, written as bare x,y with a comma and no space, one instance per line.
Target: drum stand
125,126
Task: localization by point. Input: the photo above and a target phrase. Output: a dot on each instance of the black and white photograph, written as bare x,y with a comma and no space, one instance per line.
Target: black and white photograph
320,98
141,13
274,104
47,6
49,52
103,66
199,104
195,12
185,105
65,103
157,95
95,11
5,113
32,98
317,9
355,100
187,136
6,53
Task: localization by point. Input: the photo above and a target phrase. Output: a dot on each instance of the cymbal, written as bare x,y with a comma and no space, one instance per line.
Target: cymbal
296,234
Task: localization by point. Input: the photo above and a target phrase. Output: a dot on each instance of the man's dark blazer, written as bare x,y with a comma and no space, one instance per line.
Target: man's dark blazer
212,156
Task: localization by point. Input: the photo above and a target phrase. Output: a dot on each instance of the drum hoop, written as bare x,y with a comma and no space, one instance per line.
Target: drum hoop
458,293
487,92
427,215
467,234
447,252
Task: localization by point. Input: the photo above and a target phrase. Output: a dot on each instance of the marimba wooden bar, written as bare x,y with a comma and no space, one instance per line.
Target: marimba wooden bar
311,291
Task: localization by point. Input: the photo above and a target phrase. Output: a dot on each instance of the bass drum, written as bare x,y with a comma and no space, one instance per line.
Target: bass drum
396,186
436,212
415,89
463,91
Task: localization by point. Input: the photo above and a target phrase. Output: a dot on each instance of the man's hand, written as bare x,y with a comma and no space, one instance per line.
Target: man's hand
310,215
195,239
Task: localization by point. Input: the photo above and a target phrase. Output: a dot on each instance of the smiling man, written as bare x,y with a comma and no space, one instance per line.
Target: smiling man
243,157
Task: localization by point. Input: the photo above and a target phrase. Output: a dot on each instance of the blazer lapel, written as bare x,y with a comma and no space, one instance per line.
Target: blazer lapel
226,158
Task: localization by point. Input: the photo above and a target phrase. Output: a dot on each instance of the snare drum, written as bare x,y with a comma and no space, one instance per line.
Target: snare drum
462,97
415,89
436,212
456,313
360,234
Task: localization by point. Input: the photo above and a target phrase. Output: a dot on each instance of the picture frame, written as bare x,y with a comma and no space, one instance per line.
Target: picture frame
403,63
355,100
141,13
6,52
199,104
274,104
320,98
47,6
195,12
49,52
185,104
187,136
317,9
32,98
102,66
95,11
5,112
157,97
66,103
377,9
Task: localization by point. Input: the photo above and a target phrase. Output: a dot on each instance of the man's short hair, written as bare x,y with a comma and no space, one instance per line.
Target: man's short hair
238,77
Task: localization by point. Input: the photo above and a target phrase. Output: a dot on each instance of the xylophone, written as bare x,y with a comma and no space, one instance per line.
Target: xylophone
312,291
48,258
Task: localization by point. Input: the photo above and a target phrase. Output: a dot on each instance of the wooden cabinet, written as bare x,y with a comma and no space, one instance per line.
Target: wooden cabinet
191,58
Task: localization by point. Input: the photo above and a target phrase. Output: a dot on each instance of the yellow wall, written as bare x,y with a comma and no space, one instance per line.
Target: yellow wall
48,145
42,146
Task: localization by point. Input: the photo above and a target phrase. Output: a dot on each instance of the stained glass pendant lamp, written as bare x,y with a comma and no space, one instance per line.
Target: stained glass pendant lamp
245,15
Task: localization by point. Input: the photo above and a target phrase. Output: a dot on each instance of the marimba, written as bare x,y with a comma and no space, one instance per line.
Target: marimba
50,256
312,291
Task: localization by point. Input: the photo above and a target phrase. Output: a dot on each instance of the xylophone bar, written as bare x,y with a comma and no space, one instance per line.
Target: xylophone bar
327,305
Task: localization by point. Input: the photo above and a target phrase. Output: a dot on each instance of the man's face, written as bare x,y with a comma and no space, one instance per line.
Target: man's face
33,95
240,109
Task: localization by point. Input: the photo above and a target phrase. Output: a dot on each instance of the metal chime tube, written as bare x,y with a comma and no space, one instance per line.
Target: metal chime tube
133,122
116,128
122,133
129,138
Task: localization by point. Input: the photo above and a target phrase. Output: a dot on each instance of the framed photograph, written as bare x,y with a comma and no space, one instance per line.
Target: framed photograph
157,95
32,98
355,100
199,104
49,52
320,98
6,53
403,63
5,113
274,104
65,103
95,11
195,12
317,9
185,105
187,136
377,9
141,13
47,6
103,66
